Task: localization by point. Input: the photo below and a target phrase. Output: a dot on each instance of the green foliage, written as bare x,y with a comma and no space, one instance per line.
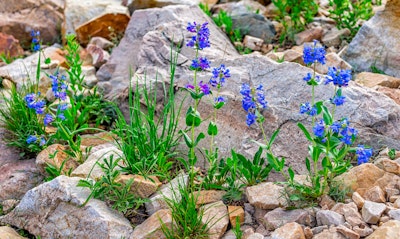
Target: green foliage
236,230
392,154
19,120
187,219
1,210
294,16
205,8
6,58
375,69
107,189
54,171
253,171
347,13
337,191
75,65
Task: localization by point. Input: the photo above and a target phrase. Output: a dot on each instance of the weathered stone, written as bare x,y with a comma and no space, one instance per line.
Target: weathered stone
265,195
334,37
391,166
394,214
209,196
290,230
388,180
255,236
20,17
99,55
229,235
110,24
319,229
235,212
141,187
308,233
332,233
253,43
216,217
389,230
8,205
350,213
138,4
101,42
9,233
393,94
9,46
370,79
363,231
396,203
91,168
308,35
254,25
332,60
55,155
53,210
170,191
372,211
327,217
326,202
377,42
358,200
348,233
97,139
279,217
151,228
375,194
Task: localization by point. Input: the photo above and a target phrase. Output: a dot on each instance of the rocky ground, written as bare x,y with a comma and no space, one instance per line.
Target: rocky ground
144,32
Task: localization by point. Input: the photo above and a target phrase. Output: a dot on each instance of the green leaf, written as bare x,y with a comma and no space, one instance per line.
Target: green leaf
328,119
219,105
291,174
308,166
273,162
47,61
212,129
199,137
193,117
272,139
187,139
305,131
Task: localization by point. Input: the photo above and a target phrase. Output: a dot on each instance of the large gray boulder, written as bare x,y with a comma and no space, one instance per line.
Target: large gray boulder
53,210
145,50
377,43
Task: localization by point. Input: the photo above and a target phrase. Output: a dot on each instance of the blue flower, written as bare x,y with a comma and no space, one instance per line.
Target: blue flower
48,119
31,139
308,77
35,45
219,75
336,127
219,99
62,107
61,116
363,154
312,54
306,108
189,86
201,63
319,129
347,133
250,119
201,39
261,97
58,86
204,88
338,77
42,141
33,102
338,100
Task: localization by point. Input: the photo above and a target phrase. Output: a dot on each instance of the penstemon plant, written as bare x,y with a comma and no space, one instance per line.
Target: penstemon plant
330,139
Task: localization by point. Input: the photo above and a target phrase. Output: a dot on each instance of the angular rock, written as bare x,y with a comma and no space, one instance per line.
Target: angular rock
97,139
350,213
20,17
363,231
375,194
55,155
279,217
348,233
110,24
265,195
216,217
394,214
209,196
9,233
389,230
53,210
170,191
91,168
253,43
334,37
372,211
102,43
152,227
327,217
140,187
370,79
99,55
332,60
393,94
388,180
235,212
9,46
377,42
290,230
8,205
308,35
332,233
137,4
391,166
254,25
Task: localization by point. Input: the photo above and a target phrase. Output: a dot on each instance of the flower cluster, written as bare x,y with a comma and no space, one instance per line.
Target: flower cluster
201,39
219,75
346,133
313,54
33,139
306,108
58,86
252,101
338,77
35,40
363,154
33,101
338,99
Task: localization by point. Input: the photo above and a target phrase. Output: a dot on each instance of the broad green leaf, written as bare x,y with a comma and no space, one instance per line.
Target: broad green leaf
193,117
305,131
212,129
272,139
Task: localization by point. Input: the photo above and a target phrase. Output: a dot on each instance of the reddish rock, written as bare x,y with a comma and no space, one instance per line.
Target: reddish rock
9,46
308,35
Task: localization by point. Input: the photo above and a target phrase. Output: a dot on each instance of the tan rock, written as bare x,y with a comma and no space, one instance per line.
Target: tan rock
216,217
265,195
348,233
358,200
372,211
388,180
293,56
394,94
332,233
151,228
9,46
326,202
141,187
255,236
308,35
334,37
389,230
396,203
332,60
235,212
209,196
362,176
291,230
7,84
55,155
308,232
253,43
97,139
363,231
9,233
370,79
375,194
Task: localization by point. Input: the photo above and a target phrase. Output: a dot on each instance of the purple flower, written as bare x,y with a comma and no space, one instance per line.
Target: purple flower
31,139
219,75
338,77
205,88
189,86
338,100
61,116
261,97
201,63
62,107
219,99
42,141
35,45
312,54
247,102
48,119
306,108
58,86
363,154
319,129
250,119
33,102
201,39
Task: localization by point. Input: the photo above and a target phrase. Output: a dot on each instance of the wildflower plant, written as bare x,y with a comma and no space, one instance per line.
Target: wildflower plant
330,139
